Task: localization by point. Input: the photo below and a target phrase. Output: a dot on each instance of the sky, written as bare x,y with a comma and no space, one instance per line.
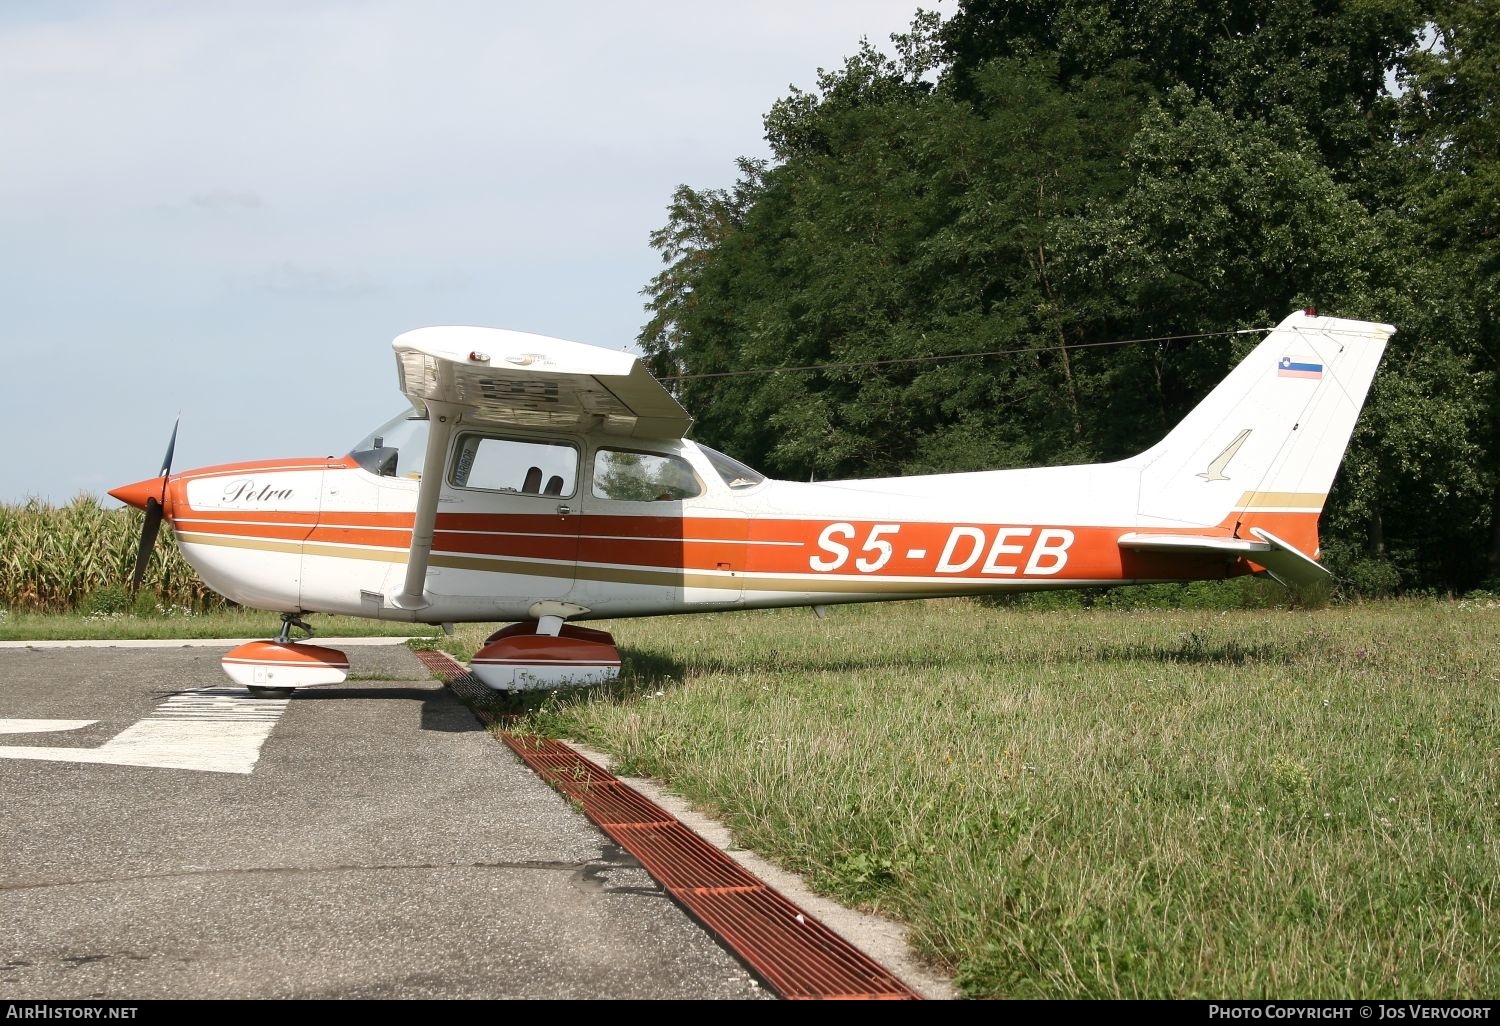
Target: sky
226,211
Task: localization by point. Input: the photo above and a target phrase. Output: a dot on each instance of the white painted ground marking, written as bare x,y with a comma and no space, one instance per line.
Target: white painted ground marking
216,730
41,726
224,643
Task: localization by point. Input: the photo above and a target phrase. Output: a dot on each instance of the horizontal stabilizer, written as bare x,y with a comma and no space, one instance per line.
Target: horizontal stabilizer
1281,560
1290,566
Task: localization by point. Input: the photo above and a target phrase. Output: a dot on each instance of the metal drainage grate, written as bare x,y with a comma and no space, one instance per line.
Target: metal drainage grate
794,954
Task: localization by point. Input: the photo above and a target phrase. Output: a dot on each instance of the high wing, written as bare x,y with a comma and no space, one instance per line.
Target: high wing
499,377
524,380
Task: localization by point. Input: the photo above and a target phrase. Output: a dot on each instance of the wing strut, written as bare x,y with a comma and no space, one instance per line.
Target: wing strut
442,418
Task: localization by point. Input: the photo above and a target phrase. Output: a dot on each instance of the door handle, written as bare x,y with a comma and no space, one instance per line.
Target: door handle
564,508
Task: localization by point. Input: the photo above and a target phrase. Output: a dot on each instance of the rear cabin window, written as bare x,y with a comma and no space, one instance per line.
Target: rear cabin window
643,477
517,465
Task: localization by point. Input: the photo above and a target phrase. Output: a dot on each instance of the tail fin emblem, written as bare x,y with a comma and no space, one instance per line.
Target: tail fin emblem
1215,471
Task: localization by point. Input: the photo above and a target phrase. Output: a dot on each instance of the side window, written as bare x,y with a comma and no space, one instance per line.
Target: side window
515,465
643,477
735,474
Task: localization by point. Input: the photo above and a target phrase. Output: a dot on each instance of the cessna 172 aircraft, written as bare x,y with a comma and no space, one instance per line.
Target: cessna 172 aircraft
541,483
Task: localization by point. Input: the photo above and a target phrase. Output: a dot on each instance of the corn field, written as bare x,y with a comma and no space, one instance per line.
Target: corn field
57,559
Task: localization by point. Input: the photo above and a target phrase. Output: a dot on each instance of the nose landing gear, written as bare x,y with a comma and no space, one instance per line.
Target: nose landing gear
274,669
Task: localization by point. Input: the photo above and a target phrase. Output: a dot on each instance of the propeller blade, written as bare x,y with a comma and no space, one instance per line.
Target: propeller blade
139,495
166,463
149,529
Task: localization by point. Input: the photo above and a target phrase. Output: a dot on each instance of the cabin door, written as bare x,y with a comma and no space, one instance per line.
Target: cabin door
508,519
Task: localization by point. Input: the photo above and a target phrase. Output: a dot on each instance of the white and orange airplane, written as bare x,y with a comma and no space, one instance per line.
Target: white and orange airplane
543,483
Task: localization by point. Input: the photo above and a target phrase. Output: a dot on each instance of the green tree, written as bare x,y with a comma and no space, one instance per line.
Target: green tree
1452,127
901,223
1319,66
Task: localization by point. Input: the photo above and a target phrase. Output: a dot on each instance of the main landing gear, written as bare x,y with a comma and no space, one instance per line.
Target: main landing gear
545,653
274,669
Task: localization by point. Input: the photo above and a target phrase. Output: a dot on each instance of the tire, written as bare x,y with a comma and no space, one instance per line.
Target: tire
264,692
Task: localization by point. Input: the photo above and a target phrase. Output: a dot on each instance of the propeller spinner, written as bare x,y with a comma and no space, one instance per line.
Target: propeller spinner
149,495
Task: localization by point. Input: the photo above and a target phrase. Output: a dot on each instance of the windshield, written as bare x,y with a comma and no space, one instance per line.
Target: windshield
396,448
735,474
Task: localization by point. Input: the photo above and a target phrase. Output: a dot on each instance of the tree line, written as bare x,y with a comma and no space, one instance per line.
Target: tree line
1035,179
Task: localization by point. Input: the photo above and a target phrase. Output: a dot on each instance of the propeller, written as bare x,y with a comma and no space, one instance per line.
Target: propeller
141,496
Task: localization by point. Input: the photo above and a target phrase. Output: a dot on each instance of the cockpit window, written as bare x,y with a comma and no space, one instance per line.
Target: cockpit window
735,474
396,448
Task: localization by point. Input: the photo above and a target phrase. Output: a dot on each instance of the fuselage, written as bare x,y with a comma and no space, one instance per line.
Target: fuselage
579,520
540,480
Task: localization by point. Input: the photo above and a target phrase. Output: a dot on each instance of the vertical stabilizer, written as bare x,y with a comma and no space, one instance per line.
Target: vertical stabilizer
1262,449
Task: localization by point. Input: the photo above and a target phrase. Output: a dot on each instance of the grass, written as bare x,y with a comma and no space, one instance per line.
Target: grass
179,623
1104,802
1097,803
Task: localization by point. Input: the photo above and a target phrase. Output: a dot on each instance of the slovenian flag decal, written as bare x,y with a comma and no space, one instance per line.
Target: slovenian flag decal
1298,367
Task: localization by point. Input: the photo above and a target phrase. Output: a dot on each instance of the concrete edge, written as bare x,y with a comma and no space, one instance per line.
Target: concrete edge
882,939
